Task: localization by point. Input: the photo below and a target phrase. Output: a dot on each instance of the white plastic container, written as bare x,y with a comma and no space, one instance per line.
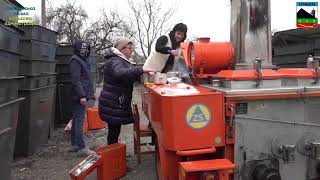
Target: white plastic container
160,78
174,80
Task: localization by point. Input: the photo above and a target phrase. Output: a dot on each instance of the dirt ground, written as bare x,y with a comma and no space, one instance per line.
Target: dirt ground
53,161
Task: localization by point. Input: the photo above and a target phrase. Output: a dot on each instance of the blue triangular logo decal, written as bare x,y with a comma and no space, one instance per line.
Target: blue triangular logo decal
198,116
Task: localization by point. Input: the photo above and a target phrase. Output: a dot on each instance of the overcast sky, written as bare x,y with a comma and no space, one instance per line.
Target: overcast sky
209,18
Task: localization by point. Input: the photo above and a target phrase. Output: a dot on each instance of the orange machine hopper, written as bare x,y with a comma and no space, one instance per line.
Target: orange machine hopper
206,57
186,117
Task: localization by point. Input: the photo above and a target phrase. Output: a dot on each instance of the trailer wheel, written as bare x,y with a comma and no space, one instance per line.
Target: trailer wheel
157,160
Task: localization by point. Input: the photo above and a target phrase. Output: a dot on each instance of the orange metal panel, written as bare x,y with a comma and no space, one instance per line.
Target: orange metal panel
229,152
248,74
185,46
182,174
169,164
114,163
185,122
207,165
297,72
220,174
197,151
266,74
272,96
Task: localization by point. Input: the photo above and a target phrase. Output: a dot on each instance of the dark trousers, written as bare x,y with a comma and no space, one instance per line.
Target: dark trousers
113,133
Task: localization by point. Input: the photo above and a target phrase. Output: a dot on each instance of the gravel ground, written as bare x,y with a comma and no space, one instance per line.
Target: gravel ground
53,161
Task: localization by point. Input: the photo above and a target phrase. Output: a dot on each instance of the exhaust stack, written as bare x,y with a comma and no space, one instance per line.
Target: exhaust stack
251,32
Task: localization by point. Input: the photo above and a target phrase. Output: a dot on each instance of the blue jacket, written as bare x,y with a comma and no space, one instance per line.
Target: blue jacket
116,95
80,73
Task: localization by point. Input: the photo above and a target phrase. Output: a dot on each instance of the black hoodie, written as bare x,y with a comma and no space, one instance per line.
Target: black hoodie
81,49
82,85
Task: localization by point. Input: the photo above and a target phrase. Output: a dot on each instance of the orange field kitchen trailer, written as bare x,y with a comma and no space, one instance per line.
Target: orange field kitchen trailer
240,118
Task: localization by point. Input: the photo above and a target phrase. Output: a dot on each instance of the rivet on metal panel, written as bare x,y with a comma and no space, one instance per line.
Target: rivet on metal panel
217,140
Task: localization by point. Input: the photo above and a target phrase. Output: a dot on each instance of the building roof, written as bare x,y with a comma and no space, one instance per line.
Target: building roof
295,36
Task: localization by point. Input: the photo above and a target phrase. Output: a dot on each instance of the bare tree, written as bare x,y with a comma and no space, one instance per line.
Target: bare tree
68,20
273,31
101,33
36,20
150,20
71,22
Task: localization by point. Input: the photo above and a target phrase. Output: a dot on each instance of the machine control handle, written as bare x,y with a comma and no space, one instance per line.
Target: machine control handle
288,152
85,167
196,151
43,100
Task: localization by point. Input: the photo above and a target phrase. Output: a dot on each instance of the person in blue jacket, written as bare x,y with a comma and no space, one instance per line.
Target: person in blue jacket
120,73
82,91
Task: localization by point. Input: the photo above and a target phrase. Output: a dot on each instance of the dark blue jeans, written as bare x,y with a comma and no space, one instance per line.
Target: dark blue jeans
79,114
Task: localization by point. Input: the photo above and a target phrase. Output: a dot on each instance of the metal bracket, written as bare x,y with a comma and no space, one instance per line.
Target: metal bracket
309,145
257,65
281,147
288,152
232,112
314,149
313,63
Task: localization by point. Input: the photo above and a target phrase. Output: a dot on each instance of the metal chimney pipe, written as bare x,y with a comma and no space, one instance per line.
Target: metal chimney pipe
251,32
43,13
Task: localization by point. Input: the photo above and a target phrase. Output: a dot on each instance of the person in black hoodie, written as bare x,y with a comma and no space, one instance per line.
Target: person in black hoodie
161,59
82,91
120,73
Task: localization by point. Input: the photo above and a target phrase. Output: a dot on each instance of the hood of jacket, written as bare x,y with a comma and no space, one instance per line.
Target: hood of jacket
81,49
111,52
